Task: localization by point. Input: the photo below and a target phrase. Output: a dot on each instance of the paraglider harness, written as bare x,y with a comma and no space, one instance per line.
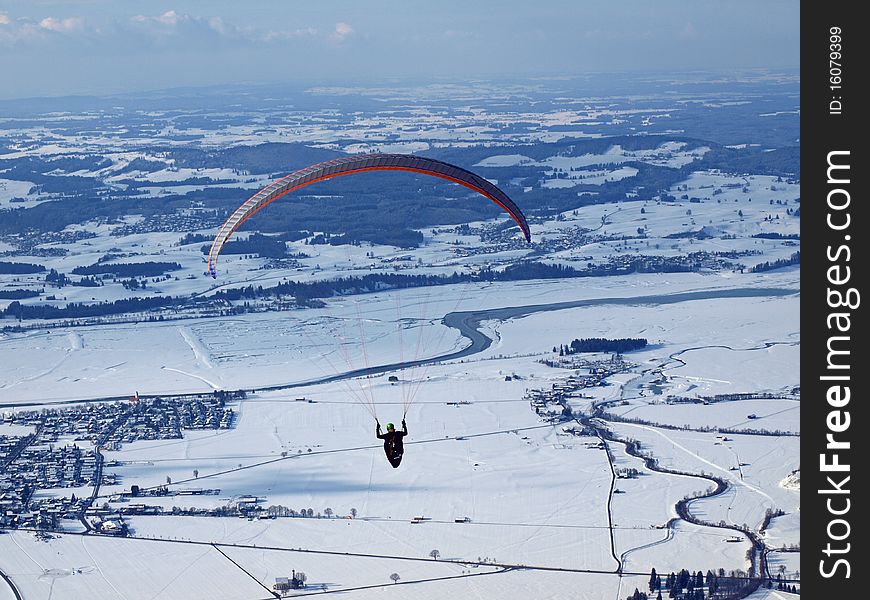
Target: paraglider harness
393,445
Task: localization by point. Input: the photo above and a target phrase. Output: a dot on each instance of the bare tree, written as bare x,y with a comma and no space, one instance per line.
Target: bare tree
395,577
435,554
328,512
353,513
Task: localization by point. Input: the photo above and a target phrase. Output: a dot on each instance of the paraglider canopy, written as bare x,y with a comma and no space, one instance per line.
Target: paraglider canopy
355,164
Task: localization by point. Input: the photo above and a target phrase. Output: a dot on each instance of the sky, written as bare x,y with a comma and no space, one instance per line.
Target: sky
98,47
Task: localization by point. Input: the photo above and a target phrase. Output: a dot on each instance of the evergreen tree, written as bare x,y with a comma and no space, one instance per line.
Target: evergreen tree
683,579
652,579
712,582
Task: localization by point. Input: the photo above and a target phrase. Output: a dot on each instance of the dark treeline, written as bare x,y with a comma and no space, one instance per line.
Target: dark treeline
784,161
794,259
78,310
195,238
343,286
773,235
307,293
19,268
60,280
619,346
401,237
269,158
264,246
143,164
34,169
687,585
140,269
132,185
18,294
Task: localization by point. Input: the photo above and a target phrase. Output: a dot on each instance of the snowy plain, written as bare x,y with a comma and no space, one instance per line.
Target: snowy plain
552,488
534,494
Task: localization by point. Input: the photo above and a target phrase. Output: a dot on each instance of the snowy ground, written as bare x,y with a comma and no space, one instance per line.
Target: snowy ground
94,567
298,346
534,495
99,567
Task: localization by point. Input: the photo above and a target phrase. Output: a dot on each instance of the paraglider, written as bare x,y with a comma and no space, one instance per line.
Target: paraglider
394,447
346,165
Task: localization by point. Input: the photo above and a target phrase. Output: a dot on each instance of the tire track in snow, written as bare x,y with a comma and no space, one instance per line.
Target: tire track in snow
704,460
200,354
99,570
76,342
199,351
211,384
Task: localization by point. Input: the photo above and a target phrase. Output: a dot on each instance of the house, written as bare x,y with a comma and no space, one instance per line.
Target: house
295,582
111,527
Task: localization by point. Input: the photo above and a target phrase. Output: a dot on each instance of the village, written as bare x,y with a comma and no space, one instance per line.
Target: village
62,453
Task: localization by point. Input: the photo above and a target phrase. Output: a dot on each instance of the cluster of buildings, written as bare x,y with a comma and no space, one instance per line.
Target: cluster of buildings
160,419
552,404
182,222
55,471
44,243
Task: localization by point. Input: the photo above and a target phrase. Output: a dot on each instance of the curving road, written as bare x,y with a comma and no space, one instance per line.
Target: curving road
11,585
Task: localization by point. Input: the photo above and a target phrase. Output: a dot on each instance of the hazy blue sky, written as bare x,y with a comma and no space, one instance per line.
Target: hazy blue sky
57,47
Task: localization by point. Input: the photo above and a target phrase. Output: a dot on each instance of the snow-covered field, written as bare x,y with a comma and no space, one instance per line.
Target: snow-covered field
752,465
100,567
94,567
534,494
260,350
564,513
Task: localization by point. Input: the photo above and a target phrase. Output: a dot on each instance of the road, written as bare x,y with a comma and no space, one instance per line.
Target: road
11,585
98,471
